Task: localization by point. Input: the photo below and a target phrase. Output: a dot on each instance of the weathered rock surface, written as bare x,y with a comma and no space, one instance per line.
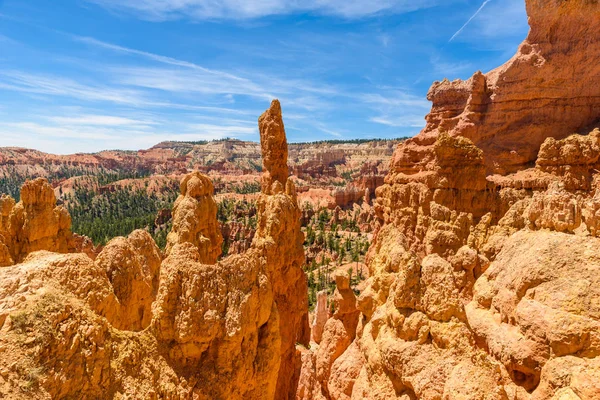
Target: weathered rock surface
320,318
329,369
132,266
550,88
484,273
130,326
280,239
195,218
237,236
34,223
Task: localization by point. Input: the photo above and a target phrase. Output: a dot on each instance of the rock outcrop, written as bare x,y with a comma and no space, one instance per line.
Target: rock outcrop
483,274
280,241
237,236
195,218
7,203
339,331
550,88
34,223
320,318
132,266
130,326
330,367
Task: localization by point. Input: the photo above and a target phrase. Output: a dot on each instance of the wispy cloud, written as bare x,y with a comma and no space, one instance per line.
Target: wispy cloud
187,81
101,120
60,86
91,131
402,121
57,86
244,9
193,78
385,39
156,57
398,109
450,69
469,20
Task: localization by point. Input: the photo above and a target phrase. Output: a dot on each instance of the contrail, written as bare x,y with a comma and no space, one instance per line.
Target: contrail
470,19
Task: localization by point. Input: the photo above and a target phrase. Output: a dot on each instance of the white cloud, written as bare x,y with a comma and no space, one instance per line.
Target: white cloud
64,135
194,78
187,81
50,85
156,57
249,9
443,68
48,131
402,121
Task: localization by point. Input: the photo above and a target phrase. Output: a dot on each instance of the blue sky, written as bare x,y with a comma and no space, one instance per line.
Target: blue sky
87,75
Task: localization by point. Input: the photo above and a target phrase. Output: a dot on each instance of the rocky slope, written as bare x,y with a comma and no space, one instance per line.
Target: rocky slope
134,325
485,286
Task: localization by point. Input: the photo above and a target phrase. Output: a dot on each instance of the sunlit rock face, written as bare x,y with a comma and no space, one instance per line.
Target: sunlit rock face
34,223
550,88
195,218
484,275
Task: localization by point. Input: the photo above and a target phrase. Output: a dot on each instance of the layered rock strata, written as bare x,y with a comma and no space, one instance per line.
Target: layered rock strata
550,88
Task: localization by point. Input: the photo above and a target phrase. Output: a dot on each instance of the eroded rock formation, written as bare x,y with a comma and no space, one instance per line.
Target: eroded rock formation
331,365
280,240
34,223
484,274
195,218
320,318
130,326
550,88
132,266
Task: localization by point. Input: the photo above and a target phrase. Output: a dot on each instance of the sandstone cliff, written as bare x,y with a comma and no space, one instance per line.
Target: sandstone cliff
550,88
131,325
484,275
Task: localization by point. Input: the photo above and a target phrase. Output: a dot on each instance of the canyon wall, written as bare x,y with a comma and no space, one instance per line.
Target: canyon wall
485,272
550,88
131,324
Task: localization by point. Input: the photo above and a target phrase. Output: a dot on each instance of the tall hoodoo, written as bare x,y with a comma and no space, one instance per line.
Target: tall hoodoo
280,239
274,147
